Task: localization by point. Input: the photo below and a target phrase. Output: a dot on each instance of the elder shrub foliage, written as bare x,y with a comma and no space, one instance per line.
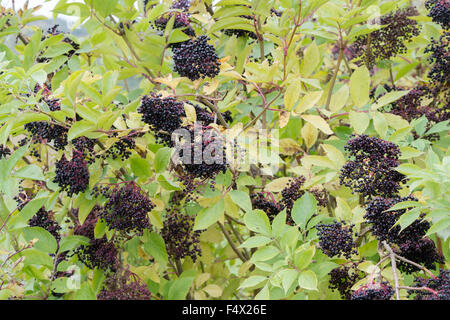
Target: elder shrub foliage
251,149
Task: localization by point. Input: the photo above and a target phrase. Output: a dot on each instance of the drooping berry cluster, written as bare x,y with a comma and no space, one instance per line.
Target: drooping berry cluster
382,221
265,202
72,176
410,241
100,253
439,59
53,31
163,115
437,288
85,145
196,59
180,238
181,5
371,170
204,155
181,21
381,291
4,151
53,104
45,219
343,278
439,11
291,193
336,239
123,147
240,32
390,40
421,251
43,132
127,208
124,285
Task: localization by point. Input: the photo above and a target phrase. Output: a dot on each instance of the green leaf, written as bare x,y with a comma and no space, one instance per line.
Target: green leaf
241,199
308,280
85,292
303,258
278,224
32,172
255,241
265,253
258,221
339,99
140,167
162,159
210,215
80,128
156,247
388,98
288,276
252,281
180,287
310,61
380,124
439,226
308,101
71,242
359,121
303,209
33,256
57,49
100,229
292,94
46,242
360,86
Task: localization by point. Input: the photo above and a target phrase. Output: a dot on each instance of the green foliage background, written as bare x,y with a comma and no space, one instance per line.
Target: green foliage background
298,87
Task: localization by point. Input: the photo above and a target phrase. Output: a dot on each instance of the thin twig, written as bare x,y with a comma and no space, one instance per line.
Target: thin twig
227,236
394,268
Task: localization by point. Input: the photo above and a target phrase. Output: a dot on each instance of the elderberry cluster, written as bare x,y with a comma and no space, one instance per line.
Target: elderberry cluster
180,238
438,287
439,11
213,157
409,106
127,208
196,59
422,251
53,31
4,151
371,170
439,58
266,203
291,193
390,40
240,32
163,115
336,239
181,5
410,241
53,104
122,148
382,221
181,21
45,219
381,291
124,285
343,278
72,176
100,253
43,131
